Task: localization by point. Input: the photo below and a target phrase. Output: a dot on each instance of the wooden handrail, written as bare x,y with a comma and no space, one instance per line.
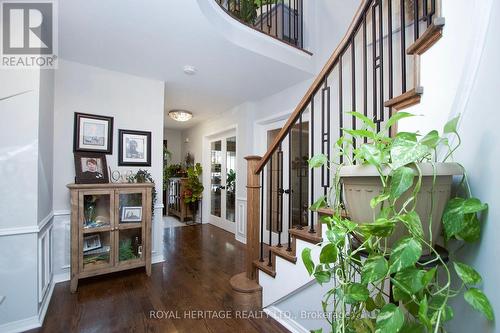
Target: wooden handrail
353,27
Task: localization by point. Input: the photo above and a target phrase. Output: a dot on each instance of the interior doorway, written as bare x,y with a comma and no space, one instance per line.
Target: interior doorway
222,181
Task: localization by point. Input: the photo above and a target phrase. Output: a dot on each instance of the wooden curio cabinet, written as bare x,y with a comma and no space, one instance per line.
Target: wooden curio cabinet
110,229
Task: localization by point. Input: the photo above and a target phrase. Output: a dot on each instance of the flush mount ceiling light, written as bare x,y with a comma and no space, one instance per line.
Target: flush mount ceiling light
189,70
180,115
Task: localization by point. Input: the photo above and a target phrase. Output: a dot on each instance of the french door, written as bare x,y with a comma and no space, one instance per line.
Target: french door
223,182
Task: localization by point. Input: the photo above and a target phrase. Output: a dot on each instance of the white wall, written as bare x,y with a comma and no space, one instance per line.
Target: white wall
479,153
135,103
26,192
174,138
46,144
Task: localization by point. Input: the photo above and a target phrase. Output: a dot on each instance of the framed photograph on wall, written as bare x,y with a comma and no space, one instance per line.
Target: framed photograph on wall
134,148
91,168
93,133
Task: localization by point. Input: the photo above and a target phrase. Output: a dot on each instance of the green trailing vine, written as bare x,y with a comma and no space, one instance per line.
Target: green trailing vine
357,259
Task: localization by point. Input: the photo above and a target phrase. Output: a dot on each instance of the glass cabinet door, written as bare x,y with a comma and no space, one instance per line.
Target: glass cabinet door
129,229
96,238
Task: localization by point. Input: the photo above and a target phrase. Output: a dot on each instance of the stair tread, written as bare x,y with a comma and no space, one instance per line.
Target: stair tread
263,266
305,235
283,253
431,35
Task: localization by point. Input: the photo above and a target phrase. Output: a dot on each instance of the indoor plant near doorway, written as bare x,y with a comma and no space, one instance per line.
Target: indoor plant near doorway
390,271
194,188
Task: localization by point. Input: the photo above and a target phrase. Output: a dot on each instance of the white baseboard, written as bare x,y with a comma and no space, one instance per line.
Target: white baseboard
20,325
285,320
61,277
157,258
240,239
45,303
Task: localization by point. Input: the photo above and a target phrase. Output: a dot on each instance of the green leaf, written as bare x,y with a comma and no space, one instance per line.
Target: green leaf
318,204
401,181
370,304
336,236
423,309
306,258
382,227
375,268
361,133
454,216
410,327
404,151
467,274
404,254
451,126
474,205
390,319
367,121
318,161
431,139
478,300
471,232
355,293
408,281
396,117
370,154
322,276
429,276
317,331
328,254
412,221
379,300
378,199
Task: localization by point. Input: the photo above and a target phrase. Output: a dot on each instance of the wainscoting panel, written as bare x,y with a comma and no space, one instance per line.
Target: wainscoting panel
241,220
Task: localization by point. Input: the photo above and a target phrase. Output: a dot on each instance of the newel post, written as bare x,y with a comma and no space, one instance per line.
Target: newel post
253,213
247,293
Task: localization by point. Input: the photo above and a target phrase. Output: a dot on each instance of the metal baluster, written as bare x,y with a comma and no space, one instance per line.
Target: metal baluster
283,19
290,216
416,29
311,195
301,23
270,191
289,20
353,89
279,212
325,134
381,62
296,21
299,173
341,106
425,12
374,64
391,61
365,74
261,259
276,19
403,46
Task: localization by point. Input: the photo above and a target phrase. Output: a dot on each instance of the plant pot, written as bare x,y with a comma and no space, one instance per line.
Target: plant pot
362,183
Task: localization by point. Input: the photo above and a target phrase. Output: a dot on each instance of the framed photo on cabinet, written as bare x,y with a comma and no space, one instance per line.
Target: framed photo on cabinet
93,133
91,168
134,148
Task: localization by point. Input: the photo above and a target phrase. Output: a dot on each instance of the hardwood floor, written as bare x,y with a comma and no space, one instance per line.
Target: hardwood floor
200,260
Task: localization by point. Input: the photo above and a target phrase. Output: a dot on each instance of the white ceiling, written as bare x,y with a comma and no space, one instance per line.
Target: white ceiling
156,39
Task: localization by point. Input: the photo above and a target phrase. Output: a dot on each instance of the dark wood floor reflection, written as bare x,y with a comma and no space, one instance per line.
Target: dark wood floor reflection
195,277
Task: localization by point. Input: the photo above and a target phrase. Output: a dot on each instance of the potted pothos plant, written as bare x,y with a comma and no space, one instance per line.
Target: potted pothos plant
382,248
193,192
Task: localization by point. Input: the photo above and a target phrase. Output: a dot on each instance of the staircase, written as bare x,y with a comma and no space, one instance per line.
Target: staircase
375,70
